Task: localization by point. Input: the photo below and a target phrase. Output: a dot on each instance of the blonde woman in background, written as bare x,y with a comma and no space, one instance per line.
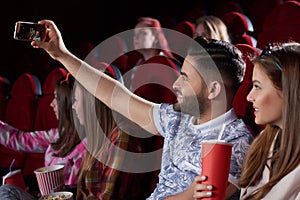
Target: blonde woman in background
210,26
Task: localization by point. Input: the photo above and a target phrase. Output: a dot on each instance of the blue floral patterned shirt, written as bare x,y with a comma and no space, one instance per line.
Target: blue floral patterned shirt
181,159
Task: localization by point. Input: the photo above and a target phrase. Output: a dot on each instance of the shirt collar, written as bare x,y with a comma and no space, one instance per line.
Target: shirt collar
226,118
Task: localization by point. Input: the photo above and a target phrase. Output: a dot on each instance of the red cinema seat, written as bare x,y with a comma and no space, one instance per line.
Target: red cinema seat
243,108
223,7
20,113
282,24
154,79
21,107
179,42
7,155
133,57
112,51
257,11
239,26
4,93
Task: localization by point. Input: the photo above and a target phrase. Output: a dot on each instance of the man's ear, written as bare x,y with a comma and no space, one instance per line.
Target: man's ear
214,89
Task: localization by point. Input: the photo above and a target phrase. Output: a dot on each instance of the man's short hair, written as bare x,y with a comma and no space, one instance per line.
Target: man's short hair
225,56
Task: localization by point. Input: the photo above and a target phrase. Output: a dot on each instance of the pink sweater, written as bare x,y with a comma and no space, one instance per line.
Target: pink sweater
39,142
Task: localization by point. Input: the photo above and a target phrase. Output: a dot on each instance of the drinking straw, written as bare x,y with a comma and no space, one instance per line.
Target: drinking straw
11,164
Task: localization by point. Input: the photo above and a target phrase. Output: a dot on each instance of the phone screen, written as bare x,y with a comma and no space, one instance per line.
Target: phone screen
29,31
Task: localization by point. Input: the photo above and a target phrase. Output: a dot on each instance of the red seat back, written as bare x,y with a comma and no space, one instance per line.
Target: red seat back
112,51
21,107
7,156
133,57
281,24
244,108
154,79
223,7
239,26
257,11
179,43
20,113
4,93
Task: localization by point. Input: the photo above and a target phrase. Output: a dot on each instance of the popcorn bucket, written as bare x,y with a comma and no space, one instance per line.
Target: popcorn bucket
50,179
58,196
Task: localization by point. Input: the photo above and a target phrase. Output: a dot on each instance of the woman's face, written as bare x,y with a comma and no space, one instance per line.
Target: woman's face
78,105
200,31
267,100
54,105
143,38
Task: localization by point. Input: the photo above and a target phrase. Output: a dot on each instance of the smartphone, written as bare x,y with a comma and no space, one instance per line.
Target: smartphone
29,31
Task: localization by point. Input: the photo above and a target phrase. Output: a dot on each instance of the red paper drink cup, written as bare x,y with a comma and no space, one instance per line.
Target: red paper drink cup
216,156
15,178
50,179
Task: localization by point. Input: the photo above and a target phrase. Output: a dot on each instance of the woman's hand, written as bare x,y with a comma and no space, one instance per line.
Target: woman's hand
201,190
53,42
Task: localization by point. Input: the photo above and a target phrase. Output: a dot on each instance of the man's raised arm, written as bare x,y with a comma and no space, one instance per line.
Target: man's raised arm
108,90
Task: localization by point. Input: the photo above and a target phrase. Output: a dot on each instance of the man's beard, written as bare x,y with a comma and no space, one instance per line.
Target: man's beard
193,105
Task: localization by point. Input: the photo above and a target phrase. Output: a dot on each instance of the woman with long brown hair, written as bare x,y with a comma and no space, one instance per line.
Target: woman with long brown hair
102,174
271,170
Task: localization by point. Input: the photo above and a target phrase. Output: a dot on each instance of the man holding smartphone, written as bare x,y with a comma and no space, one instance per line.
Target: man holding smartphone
203,106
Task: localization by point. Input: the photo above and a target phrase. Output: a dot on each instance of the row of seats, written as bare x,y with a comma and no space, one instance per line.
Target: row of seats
255,22
28,108
28,102
278,24
262,22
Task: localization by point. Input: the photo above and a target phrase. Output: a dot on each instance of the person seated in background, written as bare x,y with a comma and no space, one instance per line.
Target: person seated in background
204,89
149,40
210,26
151,71
61,145
272,166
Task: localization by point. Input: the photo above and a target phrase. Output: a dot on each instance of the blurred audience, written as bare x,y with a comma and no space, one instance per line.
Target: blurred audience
149,40
61,145
210,26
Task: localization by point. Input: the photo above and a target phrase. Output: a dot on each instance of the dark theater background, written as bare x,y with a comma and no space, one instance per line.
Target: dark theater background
79,21
82,21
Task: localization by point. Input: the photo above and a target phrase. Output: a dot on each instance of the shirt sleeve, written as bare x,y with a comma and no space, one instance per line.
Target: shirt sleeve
166,119
157,121
76,157
32,142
